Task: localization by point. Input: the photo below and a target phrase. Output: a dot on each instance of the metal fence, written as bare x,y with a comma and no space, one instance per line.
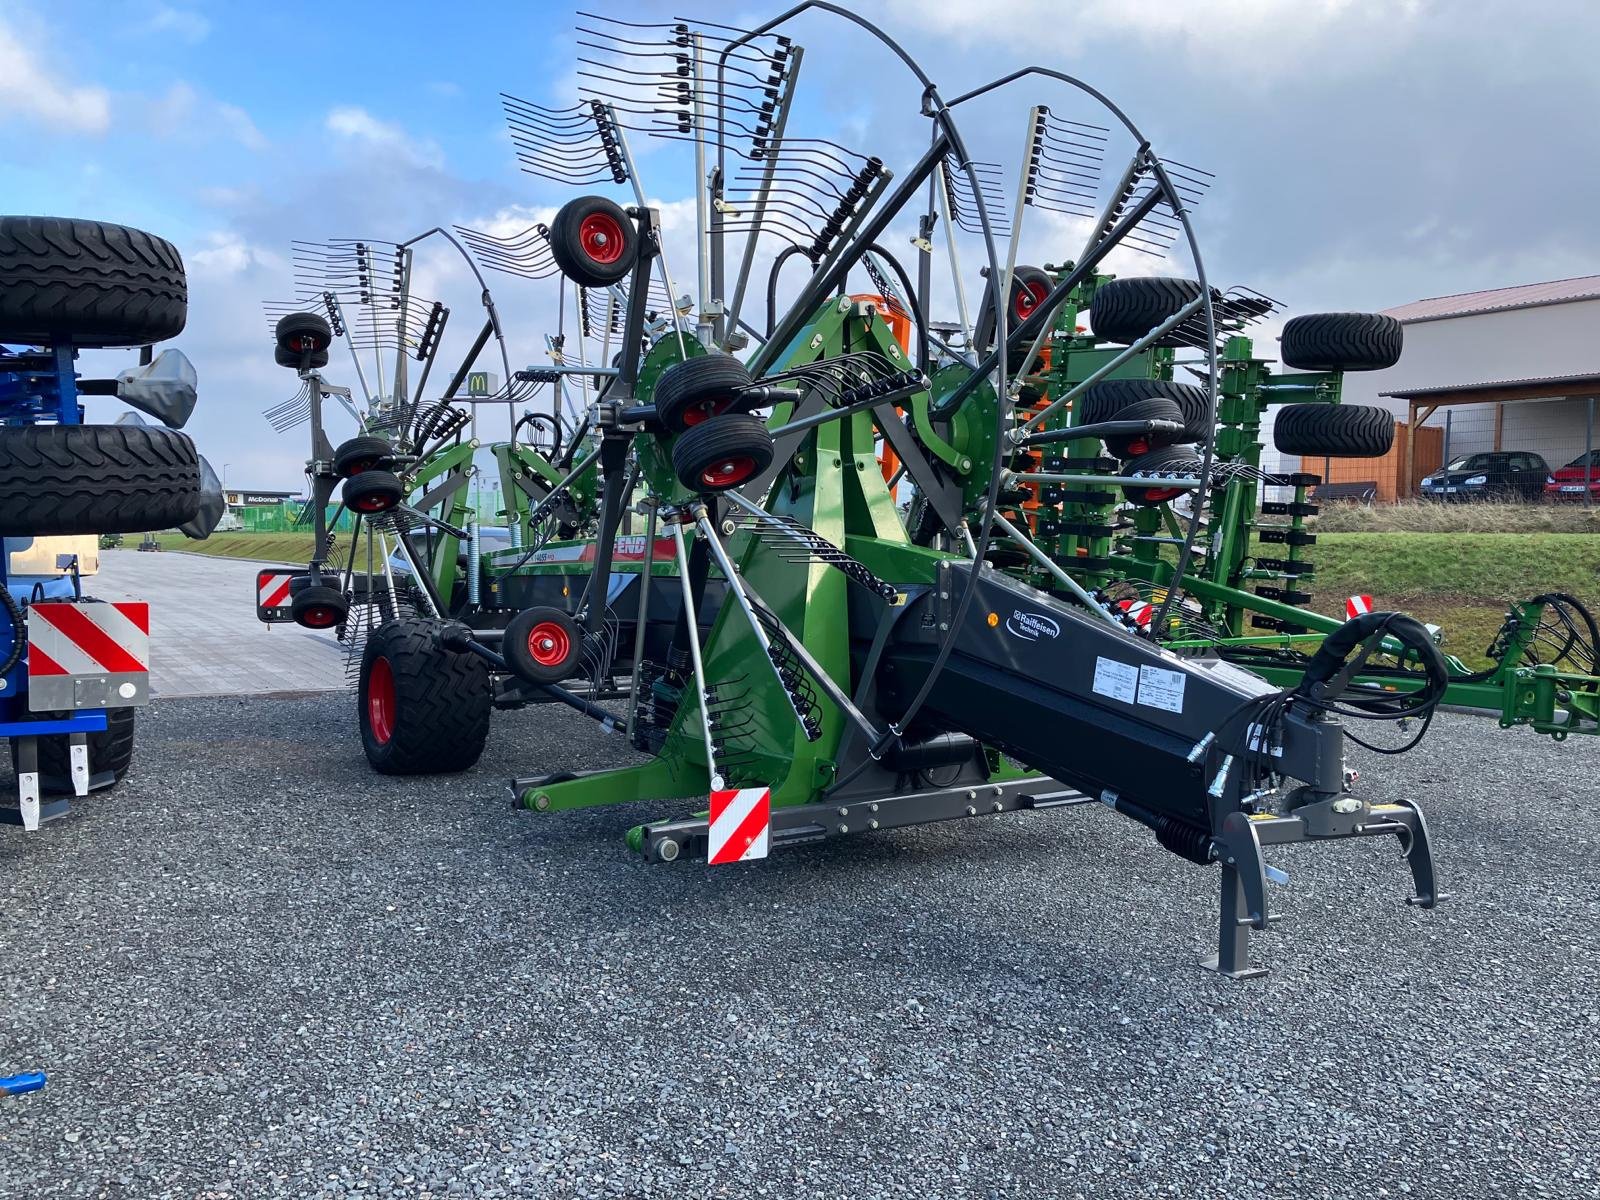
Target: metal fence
1564,433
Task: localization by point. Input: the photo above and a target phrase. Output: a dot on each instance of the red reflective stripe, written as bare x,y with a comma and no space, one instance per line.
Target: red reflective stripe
138,613
91,639
276,598
749,829
40,663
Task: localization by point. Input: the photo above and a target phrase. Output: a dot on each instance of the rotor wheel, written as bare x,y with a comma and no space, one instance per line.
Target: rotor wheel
1104,401
543,645
593,241
1029,287
360,454
1169,460
726,452
695,390
318,606
373,492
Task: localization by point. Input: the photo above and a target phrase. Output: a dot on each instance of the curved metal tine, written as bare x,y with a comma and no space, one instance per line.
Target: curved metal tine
751,177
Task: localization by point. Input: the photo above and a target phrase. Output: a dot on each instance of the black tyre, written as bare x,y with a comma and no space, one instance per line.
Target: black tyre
62,479
88,283
1333,430
373,492
361,454
1176,461
722,453
1156,408
298,332
1124,310
697,389
1029,287
1341,342
543,645
111,749
424,710
318,606
294,359
1104,401
593,241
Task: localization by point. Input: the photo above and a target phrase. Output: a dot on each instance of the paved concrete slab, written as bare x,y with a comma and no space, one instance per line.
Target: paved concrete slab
204,636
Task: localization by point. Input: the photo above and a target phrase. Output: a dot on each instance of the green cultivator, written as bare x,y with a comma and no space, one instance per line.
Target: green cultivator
1096,594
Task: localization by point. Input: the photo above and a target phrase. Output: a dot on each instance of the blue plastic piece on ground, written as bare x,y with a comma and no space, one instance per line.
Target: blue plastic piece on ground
16,1085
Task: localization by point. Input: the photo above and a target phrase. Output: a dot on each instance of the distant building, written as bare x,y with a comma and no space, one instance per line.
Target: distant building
255,498
1513,368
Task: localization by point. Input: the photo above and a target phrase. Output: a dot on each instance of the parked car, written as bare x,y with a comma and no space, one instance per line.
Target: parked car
1580,476
1490,474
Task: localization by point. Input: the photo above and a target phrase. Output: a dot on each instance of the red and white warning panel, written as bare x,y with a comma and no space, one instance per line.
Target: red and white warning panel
741,825
272,595
88,655
1357,606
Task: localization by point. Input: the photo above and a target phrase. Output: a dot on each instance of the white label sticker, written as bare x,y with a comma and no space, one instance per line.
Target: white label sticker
1161,688
1120,681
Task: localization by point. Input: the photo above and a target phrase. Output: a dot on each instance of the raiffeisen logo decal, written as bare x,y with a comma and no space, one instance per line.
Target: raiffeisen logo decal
1031,626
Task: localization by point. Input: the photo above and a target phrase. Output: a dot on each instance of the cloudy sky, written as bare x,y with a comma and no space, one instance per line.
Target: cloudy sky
1366,152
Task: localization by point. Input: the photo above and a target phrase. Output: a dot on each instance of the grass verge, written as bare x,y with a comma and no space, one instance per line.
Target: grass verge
268,547
1461,582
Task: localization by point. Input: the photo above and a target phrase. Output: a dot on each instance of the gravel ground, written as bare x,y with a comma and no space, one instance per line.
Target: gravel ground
264,971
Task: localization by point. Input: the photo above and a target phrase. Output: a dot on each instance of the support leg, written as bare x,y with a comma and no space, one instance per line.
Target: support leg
1233,932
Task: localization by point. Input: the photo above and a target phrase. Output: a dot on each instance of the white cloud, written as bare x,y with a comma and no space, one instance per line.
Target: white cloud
358,126
240,127
1258,39
183,23
27,90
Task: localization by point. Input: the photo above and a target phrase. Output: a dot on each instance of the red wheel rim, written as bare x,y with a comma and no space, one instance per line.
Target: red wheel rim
548,644
373,504
1139,447
1162,495
705,410
729,472
1029,296
319,616
600,235
381,702
360,465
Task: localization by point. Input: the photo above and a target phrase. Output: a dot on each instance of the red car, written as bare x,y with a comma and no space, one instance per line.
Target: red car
1580,475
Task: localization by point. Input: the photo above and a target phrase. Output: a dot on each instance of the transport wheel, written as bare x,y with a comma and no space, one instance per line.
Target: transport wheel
318,606
1156,408
88,283
543,645
298,332
725,452
1168,460
1333,430
110,749
424,710
690,392
1341,342
1124,310
64,479
373,492
593,241
1029,287
1105,400
360,454
292,358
